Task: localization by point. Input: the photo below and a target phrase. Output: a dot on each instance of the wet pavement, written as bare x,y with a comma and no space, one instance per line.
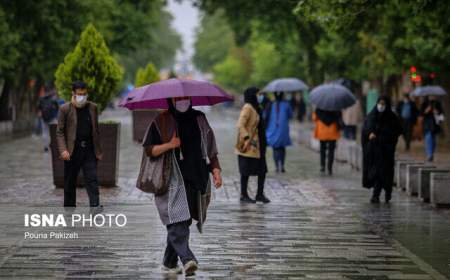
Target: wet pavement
317,226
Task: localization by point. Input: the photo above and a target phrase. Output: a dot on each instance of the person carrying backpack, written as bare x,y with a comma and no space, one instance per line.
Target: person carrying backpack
48,111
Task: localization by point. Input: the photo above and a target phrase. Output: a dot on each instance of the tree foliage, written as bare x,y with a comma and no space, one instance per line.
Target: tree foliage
147,75
214,39
234,71
91,62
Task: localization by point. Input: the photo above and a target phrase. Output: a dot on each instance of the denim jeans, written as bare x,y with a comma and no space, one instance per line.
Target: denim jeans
279,155
430,144
178,244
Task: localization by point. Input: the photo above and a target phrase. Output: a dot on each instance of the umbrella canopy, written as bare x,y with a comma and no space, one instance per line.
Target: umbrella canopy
286,85
429,90
332,97
154,95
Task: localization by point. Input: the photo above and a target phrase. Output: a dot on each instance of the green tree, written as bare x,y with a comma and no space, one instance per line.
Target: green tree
266,62
294,37
36,35
92,63
147,75
234,72
214,39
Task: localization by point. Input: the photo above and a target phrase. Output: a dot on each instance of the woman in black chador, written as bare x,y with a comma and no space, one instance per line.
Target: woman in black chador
379,138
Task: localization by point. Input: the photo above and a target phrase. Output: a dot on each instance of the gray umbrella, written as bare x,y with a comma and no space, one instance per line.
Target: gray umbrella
286,85
429,90
332,97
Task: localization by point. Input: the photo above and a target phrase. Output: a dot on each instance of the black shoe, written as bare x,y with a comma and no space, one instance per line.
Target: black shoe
322,169
45,149
262,198
430,159
330,171
387,198
247,199
94,210
375,200
283,170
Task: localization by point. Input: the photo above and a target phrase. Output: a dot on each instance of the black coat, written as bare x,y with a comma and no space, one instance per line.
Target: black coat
379,153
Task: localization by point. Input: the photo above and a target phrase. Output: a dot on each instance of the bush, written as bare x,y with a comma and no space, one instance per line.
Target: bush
92,63
147,75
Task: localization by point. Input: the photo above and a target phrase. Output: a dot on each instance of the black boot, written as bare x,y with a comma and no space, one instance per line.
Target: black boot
262,198
244,194
260,193
247,199
387,197
375,200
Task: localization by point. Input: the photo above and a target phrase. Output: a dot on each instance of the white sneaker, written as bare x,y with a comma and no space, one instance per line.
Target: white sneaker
175,270
190,267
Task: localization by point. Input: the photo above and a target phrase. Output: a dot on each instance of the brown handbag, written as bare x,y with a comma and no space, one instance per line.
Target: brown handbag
154,174
241,141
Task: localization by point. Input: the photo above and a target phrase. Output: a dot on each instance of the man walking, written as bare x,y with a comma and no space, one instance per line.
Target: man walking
408,113
78,143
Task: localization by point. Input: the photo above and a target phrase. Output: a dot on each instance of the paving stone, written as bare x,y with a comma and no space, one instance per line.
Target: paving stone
316,227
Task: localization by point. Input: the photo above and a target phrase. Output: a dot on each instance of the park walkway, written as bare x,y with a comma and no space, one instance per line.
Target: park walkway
317,226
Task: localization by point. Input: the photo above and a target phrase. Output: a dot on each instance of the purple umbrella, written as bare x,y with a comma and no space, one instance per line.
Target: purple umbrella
154,96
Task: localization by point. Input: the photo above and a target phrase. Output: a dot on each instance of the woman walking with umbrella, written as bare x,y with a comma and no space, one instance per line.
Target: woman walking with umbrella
327,132
251,146
431,111
433,115
329,100
380,133
182,134
278,129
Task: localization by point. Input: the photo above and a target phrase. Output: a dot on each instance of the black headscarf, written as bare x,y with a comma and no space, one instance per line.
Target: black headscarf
250,97
328,117
192,164
279,96
387,114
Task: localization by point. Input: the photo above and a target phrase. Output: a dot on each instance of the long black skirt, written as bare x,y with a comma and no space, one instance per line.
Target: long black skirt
252,166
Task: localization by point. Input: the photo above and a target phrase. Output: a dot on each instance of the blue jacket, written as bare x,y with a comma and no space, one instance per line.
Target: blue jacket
277,131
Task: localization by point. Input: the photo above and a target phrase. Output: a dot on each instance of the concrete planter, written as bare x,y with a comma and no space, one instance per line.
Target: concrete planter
424,181
107,168
141,120
412,177
402,178
440,189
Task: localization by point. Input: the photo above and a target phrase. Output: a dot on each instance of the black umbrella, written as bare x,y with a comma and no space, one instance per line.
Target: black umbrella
332,97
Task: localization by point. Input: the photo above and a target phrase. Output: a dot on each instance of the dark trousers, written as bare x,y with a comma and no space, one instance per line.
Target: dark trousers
279,156
81,158
407,132
244,185
178,244
324,147
350,132
377,191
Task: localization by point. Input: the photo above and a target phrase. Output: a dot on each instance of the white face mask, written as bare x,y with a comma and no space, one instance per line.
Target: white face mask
80,99
182,105
260,98
381,108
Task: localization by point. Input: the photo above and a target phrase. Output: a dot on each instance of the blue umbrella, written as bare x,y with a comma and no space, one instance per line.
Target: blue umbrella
332,97
286,85
429,90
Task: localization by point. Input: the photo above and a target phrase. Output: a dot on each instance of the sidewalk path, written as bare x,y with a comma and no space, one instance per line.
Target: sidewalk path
317,227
